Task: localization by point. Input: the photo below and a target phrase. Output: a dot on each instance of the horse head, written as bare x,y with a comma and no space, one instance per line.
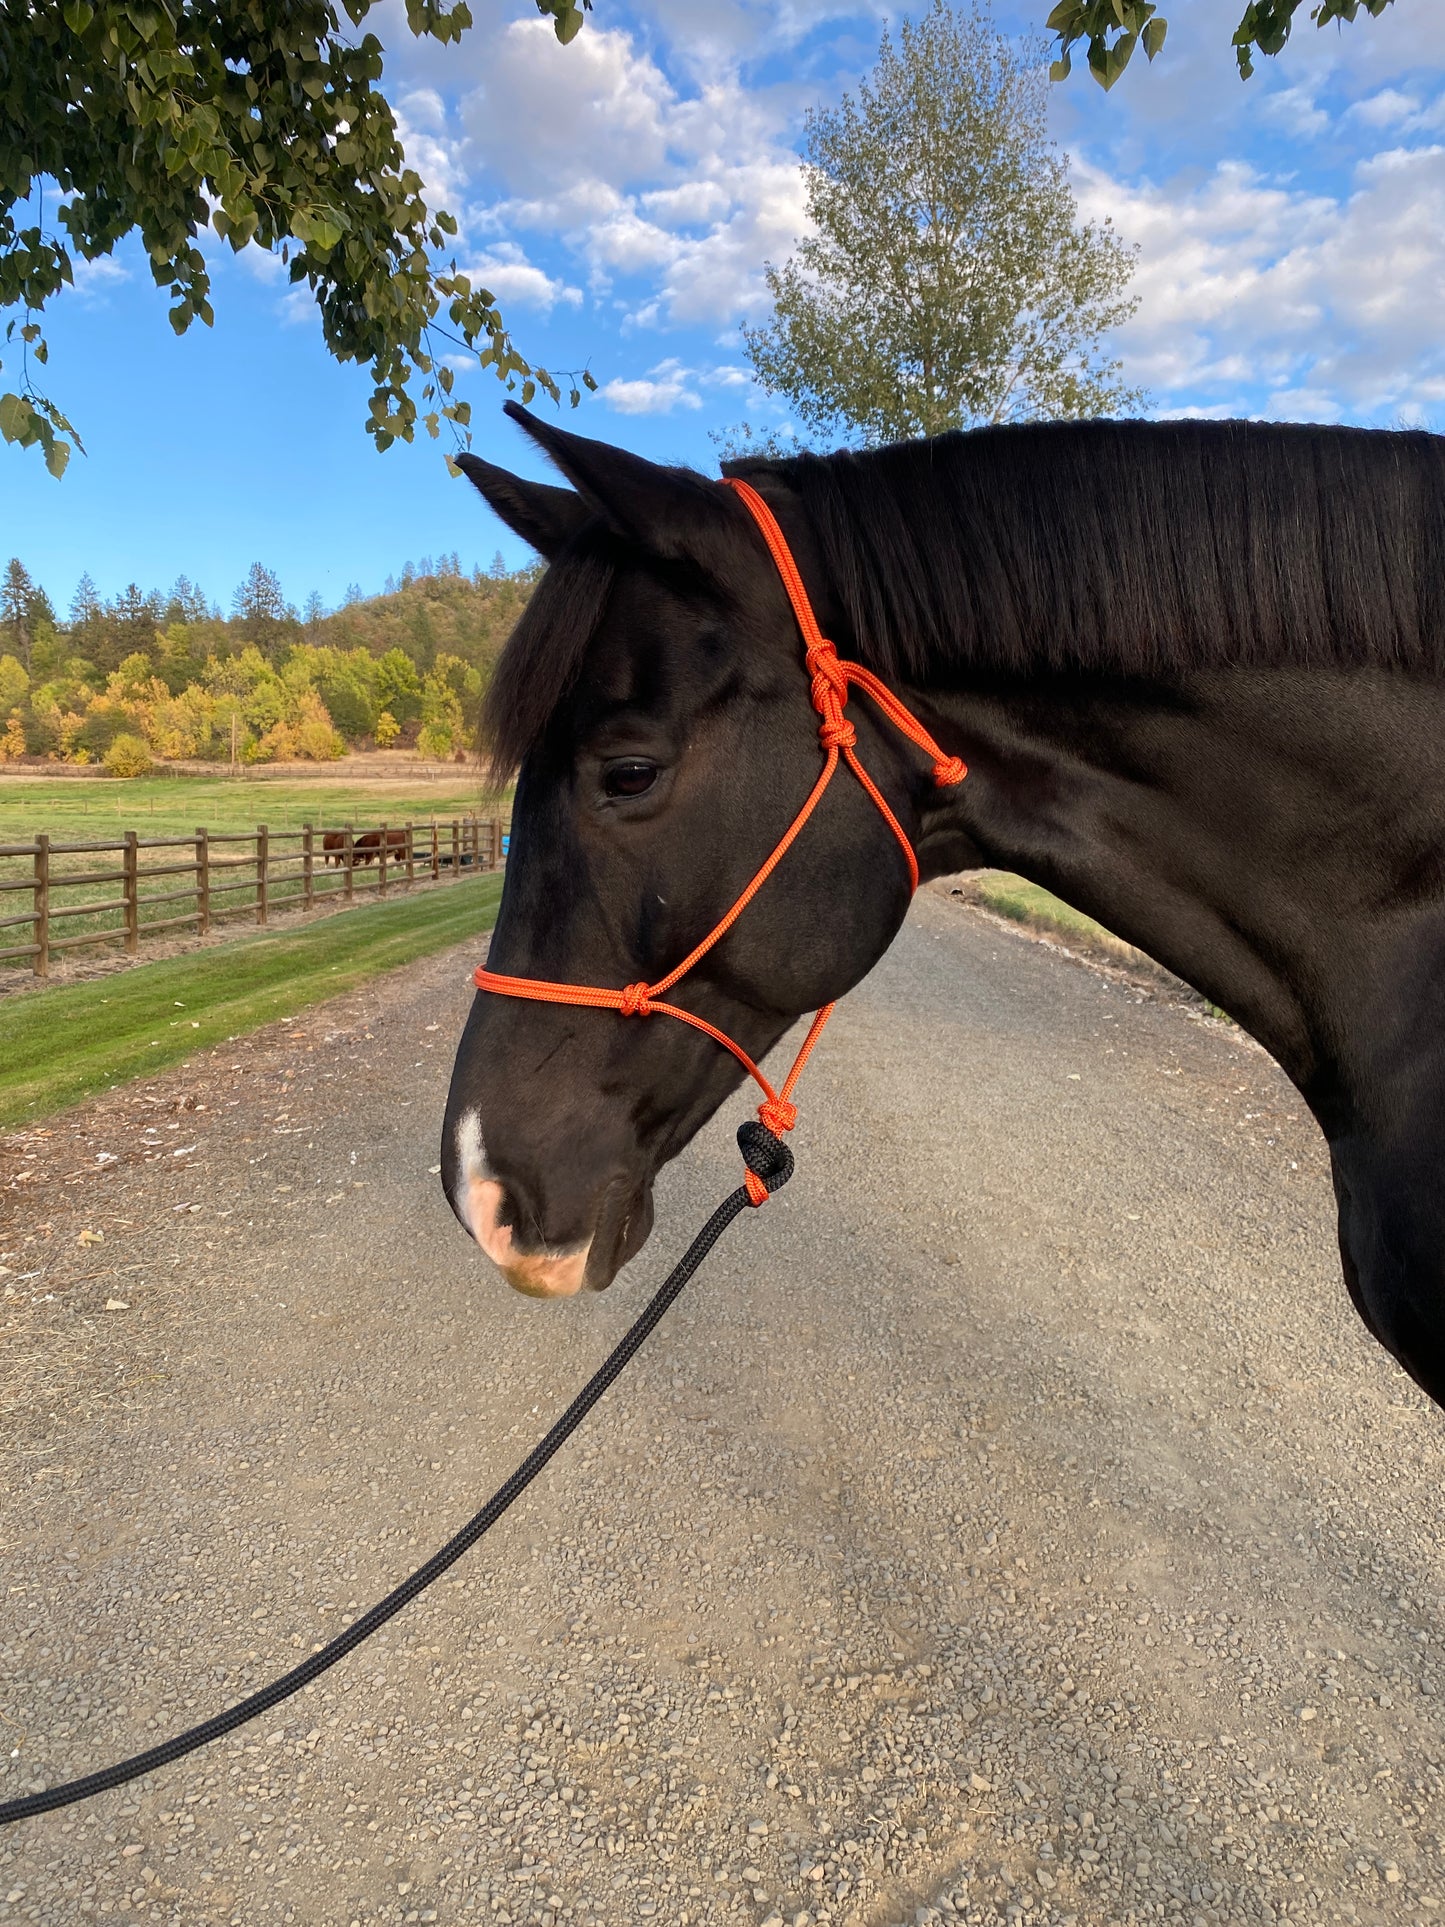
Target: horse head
654,697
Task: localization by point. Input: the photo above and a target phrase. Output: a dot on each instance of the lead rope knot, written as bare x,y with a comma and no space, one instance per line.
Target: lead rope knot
949,770
635,1001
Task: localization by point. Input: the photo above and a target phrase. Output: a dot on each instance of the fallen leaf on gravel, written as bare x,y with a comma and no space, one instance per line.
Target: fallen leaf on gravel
106,1157
185,1207
184,1150
116,1304
432,1170
89,1237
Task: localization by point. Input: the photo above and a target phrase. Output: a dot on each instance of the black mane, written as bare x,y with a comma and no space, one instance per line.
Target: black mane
1126,547
1135,547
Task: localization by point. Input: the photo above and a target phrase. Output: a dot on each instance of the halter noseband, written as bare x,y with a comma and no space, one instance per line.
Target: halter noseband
831,677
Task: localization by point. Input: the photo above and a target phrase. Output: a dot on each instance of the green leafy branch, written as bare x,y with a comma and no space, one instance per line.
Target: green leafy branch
269,126
1114,28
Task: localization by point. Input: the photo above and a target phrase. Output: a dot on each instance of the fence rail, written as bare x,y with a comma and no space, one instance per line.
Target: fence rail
231,873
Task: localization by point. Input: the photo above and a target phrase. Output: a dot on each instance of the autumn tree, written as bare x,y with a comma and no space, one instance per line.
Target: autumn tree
949,280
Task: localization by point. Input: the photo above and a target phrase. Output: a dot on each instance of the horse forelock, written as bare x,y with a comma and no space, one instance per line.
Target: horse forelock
544,653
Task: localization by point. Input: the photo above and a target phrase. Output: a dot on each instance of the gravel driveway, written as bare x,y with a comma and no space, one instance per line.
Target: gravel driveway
1013,1521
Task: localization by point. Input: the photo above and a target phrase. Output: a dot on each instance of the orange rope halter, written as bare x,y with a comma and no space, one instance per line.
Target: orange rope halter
831,677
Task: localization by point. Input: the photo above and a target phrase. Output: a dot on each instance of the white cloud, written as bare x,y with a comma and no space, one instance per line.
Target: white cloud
1330,304
1400,113
507,273
596,148
670,385
658,393
94,279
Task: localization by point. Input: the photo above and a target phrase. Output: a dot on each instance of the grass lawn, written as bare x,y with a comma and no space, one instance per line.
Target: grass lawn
58,1046
82,808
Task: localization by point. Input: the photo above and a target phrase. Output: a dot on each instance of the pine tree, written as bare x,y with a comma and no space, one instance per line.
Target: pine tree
85,603
17,594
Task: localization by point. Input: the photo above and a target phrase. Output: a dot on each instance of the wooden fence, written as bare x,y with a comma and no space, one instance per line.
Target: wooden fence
206,878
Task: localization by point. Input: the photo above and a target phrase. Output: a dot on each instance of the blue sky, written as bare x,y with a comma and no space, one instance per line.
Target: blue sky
621,196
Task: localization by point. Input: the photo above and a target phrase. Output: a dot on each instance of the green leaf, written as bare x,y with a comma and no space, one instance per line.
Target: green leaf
78,15
1061,68
1153,36
17,419
568,25
57,454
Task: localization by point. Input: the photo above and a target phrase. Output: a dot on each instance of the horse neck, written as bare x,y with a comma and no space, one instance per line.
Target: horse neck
1271,836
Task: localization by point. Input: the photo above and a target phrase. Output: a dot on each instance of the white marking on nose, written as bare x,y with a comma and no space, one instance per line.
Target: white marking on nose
480,1200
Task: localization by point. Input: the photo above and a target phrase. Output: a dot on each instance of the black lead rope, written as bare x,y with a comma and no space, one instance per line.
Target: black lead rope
765,1155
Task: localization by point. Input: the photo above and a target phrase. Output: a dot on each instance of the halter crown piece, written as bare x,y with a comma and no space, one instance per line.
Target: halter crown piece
830,679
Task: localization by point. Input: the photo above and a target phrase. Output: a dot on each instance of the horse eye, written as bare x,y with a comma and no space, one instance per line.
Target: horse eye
633,778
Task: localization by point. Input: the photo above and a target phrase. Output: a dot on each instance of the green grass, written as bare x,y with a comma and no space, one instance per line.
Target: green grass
1011,896
85,808
59,1046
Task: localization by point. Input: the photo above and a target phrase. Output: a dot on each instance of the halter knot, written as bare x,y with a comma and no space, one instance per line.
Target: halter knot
949,770
635,1001
778,1114
830,679
839,735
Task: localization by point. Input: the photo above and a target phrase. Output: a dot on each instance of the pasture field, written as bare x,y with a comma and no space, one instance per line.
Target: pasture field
58,1046
80,808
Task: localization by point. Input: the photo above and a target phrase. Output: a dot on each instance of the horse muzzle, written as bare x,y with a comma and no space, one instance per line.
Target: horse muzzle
498,1218
482,1206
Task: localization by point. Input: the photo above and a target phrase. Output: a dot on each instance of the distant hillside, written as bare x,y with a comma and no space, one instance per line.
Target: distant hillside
147,676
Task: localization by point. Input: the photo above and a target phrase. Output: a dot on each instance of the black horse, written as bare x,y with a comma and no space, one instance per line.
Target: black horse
1197,671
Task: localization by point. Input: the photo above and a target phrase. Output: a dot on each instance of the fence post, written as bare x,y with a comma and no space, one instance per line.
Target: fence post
436,868
263,851
348,886
203,881
410,854
456,852
381,878
308,844
496,842
130,893
42,906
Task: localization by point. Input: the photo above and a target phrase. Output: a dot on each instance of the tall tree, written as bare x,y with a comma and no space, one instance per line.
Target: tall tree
85,603
949,280
17,598
267,123
259,606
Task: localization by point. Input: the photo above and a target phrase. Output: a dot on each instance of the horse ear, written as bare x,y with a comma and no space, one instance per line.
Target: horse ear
661,509
546,518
